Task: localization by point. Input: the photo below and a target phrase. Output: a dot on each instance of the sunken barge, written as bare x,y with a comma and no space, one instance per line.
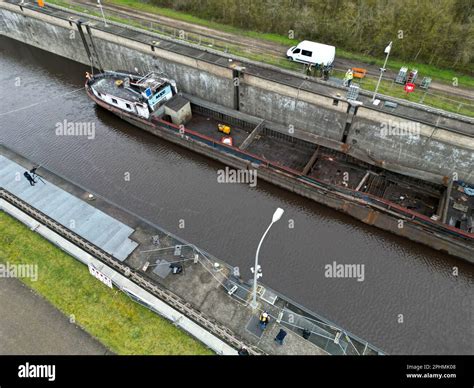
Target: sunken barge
439,215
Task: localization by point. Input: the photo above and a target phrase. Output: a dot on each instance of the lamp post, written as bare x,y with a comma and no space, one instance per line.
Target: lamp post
102,11
276,216
382,70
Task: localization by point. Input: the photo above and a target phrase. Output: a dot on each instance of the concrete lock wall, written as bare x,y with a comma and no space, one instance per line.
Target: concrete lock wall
434,150
292,107
388,139
48,33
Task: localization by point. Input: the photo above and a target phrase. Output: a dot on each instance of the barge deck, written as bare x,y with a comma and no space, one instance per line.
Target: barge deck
341,170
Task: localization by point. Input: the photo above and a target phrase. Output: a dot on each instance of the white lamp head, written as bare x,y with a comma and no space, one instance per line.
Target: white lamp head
388,48
277,215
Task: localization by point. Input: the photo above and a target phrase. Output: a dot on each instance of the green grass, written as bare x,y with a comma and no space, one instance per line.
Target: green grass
122,325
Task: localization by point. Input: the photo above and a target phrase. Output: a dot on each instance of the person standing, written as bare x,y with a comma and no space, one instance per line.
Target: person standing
29,178
325,73
348,77
264,320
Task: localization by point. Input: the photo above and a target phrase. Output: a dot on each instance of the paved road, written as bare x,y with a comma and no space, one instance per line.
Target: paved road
31,325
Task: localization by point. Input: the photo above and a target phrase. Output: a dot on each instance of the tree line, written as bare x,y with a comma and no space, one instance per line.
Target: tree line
436,32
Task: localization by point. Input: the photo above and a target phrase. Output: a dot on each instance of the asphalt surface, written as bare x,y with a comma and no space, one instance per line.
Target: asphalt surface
29,325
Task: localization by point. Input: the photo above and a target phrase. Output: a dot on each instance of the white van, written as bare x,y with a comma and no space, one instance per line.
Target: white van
312,52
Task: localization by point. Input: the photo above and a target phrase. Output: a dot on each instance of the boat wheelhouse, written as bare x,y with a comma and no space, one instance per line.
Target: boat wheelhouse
133,93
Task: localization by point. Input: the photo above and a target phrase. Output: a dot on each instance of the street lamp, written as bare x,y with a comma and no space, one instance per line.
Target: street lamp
102,11
382,70
256,270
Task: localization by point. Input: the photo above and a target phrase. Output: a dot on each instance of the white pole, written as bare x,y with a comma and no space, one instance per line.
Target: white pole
382,70
102,11
276,216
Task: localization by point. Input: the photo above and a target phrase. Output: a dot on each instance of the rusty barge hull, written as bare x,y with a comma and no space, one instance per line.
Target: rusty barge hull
364,206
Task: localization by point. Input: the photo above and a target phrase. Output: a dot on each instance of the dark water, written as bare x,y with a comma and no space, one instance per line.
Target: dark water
168,184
